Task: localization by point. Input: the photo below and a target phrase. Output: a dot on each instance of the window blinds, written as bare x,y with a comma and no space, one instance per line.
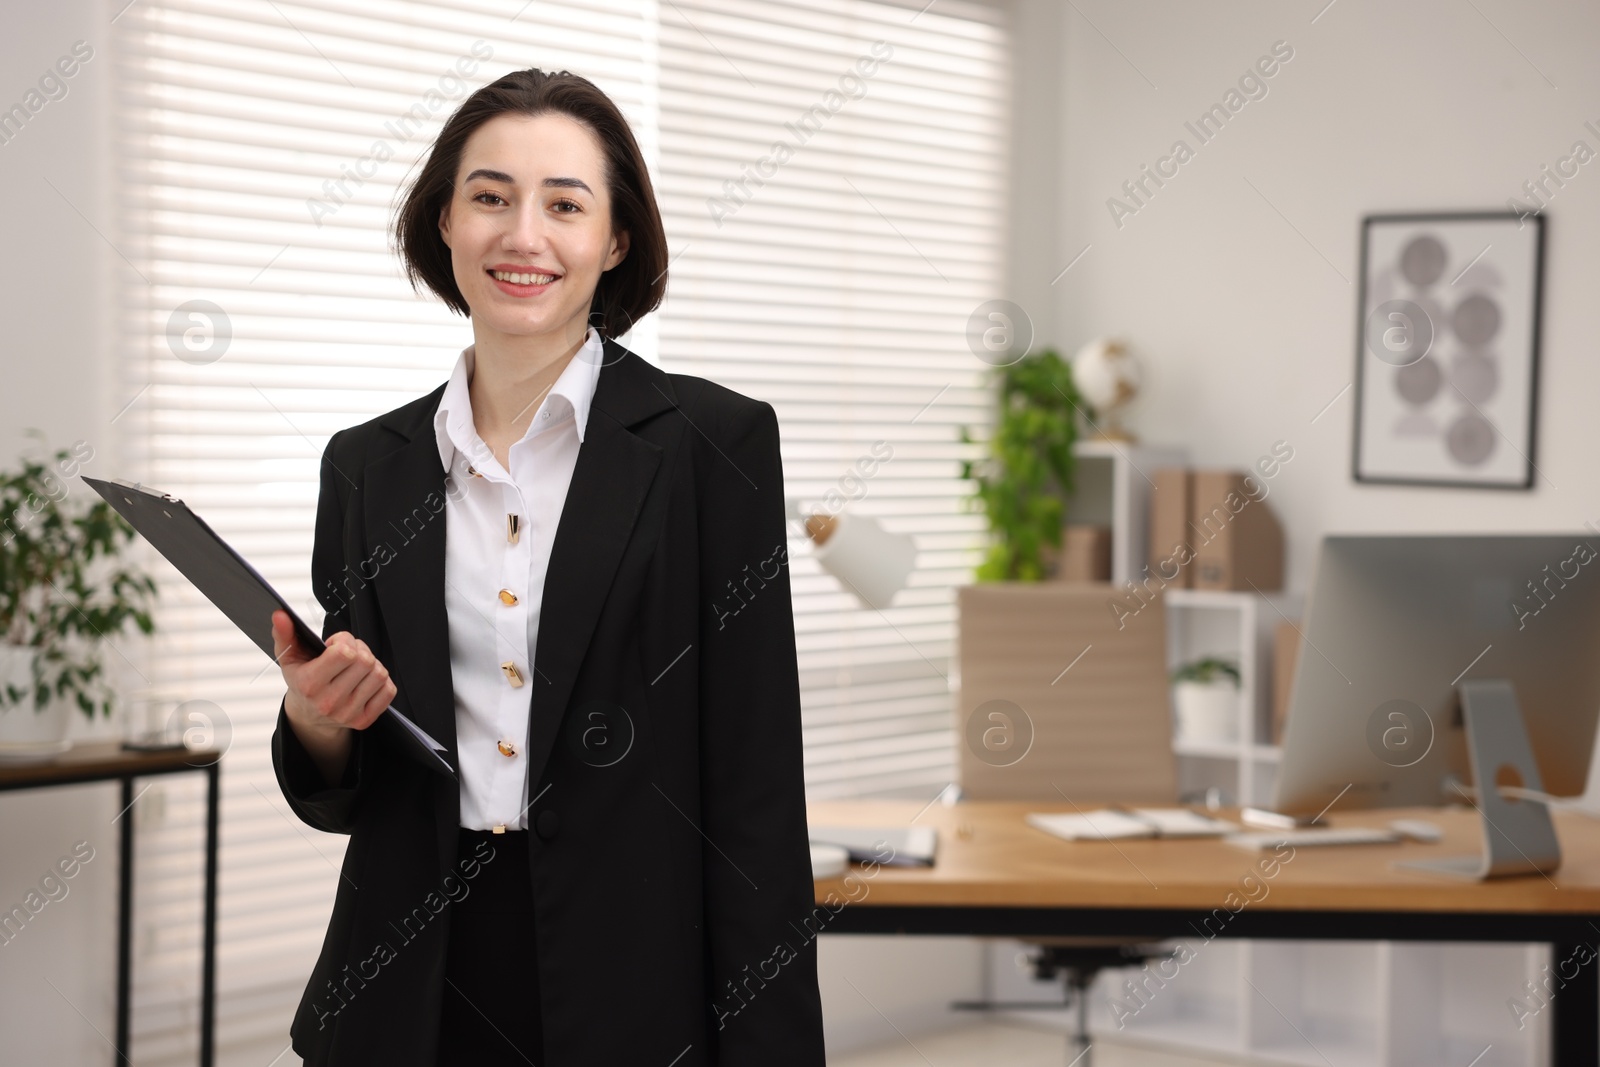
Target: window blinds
832,175
260,148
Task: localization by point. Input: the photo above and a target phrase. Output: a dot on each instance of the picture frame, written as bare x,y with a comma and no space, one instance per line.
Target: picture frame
1447,349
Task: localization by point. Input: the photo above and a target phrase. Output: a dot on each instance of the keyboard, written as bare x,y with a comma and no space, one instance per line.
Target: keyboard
1312,836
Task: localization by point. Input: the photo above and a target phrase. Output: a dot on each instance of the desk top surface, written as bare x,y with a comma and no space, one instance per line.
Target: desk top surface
99,761
987,856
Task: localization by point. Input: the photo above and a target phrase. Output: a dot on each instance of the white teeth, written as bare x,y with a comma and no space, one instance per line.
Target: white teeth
524,279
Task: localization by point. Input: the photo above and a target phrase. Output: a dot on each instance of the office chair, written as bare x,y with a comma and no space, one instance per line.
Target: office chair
1057,703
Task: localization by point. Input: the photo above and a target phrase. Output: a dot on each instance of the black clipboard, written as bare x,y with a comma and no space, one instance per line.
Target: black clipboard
229,581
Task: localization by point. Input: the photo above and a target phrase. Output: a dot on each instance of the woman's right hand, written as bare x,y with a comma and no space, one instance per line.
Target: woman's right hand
345,688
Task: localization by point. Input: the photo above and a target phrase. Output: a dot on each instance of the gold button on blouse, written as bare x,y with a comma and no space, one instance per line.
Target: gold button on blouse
507,597
511,673
513,527
506,748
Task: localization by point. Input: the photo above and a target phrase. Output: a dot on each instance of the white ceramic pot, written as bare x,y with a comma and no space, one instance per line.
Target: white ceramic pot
24,730
1207,711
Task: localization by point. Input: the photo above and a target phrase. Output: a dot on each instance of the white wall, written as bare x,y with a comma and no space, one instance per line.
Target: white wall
57,978
58,269
1245,325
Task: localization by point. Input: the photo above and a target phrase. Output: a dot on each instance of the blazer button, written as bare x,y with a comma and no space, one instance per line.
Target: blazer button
547,824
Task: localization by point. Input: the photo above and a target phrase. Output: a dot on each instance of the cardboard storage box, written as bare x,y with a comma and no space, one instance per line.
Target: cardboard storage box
1170,504
1237,541
1285,651
1085,554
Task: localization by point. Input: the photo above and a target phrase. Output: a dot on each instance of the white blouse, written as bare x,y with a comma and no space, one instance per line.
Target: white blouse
498,533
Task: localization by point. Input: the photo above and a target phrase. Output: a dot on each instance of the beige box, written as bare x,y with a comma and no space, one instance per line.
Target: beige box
1170,504
1085,554
1058,702
1237,541
1285,652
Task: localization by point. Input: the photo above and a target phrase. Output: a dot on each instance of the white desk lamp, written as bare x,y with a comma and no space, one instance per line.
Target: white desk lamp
867,559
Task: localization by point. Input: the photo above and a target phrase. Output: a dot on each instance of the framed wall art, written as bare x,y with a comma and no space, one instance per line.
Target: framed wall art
1447,349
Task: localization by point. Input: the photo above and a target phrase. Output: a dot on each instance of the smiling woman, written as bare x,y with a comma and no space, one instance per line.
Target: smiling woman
595,509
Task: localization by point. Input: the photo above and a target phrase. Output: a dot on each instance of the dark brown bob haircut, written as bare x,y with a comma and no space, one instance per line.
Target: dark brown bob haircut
625,293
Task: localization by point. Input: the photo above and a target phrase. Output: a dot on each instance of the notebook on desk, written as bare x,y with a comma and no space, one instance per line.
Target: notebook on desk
1313,836
1108,824
905,846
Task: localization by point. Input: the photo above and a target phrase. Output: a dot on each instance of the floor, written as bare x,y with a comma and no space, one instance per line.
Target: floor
977,1045
1013,1044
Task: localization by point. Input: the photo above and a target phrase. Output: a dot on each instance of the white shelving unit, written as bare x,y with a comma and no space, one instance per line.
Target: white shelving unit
1237,627
1315,1003
1312,1004
1113,489
1290,1003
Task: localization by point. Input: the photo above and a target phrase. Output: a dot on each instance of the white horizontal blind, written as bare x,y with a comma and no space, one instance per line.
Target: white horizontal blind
828,264
252,138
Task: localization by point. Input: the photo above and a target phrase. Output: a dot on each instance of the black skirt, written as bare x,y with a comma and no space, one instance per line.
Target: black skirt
490,1011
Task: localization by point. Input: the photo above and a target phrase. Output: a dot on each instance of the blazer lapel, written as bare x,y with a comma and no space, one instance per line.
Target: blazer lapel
614,471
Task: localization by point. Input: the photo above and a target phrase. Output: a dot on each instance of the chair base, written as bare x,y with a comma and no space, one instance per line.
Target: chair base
1076,963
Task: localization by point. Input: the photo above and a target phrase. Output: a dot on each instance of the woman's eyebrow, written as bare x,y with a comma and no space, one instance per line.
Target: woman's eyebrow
569,183
502,176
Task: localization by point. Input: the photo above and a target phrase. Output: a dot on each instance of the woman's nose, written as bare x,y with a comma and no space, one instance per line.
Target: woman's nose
527,234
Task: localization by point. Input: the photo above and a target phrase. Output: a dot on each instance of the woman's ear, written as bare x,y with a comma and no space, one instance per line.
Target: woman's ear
444,223
619,250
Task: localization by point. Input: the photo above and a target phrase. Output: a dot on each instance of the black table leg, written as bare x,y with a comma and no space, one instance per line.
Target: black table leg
124,922
208,965
1575,1027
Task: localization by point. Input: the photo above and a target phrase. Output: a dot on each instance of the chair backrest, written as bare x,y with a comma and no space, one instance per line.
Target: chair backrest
1061,697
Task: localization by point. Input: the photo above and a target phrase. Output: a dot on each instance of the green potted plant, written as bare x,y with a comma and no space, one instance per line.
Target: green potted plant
1205,696
1025,480
62,595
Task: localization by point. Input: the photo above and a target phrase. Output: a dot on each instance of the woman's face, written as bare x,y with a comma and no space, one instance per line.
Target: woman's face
530,198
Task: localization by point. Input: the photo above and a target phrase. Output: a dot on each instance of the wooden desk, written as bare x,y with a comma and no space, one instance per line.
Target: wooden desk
108,762
996,876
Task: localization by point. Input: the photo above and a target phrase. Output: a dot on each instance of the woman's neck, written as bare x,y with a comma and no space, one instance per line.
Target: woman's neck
511,375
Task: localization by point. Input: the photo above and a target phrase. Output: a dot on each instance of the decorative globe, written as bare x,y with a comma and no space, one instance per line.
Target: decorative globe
1107,376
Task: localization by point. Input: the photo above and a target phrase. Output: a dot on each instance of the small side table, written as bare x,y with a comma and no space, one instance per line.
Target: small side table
105,762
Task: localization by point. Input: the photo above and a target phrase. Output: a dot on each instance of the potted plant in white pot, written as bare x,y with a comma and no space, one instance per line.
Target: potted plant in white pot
1205,695
62,595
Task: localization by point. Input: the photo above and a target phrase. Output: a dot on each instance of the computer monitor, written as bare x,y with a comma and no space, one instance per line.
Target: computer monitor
1394,623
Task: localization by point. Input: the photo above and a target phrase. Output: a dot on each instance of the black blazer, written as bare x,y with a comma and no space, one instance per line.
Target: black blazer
671,870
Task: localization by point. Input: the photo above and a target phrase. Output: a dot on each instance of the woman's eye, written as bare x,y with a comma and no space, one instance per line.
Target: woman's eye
491,196
574,205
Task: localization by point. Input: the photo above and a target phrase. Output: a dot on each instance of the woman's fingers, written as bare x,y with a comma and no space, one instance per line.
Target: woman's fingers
345,686
330,681
285,646
378,704
371,697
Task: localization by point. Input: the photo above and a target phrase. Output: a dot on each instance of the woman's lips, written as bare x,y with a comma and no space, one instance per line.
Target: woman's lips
518,289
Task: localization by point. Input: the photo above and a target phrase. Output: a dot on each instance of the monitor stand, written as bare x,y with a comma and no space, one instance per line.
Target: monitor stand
1518,836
